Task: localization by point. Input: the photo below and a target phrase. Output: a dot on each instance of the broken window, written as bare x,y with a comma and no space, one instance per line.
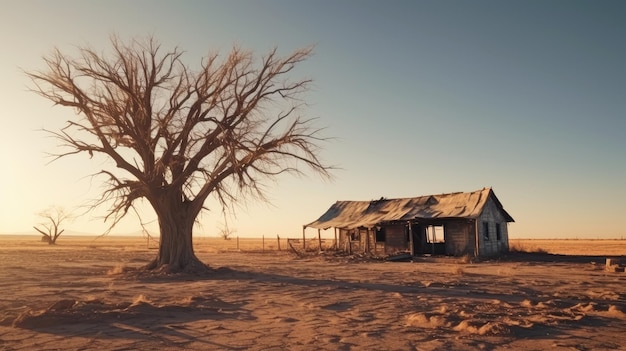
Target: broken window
486,230
355,235
498,232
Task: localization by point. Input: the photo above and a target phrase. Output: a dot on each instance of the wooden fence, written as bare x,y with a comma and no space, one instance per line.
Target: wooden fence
263,243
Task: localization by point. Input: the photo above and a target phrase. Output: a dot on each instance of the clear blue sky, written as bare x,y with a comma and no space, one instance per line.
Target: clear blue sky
527,97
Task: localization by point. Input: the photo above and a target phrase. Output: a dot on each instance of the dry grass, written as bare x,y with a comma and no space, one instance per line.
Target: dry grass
201,244
465,259
590,247
517,246
583,247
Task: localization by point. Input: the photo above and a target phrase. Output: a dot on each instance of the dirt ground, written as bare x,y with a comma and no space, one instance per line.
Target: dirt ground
80,295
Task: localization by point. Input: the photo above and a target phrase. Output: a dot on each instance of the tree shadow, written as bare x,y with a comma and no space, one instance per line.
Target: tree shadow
140,320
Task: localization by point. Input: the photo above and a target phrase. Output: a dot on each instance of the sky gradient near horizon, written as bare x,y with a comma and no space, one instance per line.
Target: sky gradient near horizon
423,97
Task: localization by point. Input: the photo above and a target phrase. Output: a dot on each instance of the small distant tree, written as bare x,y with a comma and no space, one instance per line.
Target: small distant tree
50,226
225,231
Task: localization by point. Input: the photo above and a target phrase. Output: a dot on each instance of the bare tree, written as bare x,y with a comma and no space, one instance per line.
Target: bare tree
52,219
225,231
180,135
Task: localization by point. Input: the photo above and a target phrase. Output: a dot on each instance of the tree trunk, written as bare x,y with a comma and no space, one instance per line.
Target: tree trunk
176,245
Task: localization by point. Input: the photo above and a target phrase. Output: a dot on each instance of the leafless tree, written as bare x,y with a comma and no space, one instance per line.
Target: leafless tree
225,231
52,219
178,135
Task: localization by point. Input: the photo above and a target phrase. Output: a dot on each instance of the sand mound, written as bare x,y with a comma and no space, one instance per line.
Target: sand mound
493,328
615,312
421,320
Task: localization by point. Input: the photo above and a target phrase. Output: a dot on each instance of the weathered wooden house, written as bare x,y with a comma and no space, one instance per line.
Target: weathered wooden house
473,223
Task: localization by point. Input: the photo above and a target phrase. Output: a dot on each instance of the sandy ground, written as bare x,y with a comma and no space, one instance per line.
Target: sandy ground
75,296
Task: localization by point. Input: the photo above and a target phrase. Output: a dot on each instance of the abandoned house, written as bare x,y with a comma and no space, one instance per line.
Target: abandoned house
471,223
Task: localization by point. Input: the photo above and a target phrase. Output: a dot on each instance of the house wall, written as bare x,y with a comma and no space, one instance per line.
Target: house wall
356,240
365,240
395,238
488,222
458,237
343,240
370,241
419,239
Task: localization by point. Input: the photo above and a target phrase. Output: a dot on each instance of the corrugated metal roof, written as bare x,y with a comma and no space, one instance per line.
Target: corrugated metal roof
354,214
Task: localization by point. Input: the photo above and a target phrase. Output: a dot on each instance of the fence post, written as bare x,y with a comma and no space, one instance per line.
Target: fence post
237,242
303,239
278,239
263,243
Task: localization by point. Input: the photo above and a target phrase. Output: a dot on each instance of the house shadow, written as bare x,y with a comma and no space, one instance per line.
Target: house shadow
450,289
545,257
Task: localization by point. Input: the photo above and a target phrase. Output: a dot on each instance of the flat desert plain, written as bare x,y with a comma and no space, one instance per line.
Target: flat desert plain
86,294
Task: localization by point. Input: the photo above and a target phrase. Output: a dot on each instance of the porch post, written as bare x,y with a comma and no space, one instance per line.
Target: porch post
477,247
433,239
319,239
350,243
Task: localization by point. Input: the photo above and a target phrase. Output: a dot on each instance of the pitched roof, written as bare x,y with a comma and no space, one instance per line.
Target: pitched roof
354,214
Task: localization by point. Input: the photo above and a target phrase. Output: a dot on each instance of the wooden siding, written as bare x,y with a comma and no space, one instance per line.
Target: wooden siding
457,237
343,240
365,240
419,239
490,245
395,238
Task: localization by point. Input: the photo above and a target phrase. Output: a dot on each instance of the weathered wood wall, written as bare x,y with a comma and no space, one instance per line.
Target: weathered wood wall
395,238
343,240
490,245
457,237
